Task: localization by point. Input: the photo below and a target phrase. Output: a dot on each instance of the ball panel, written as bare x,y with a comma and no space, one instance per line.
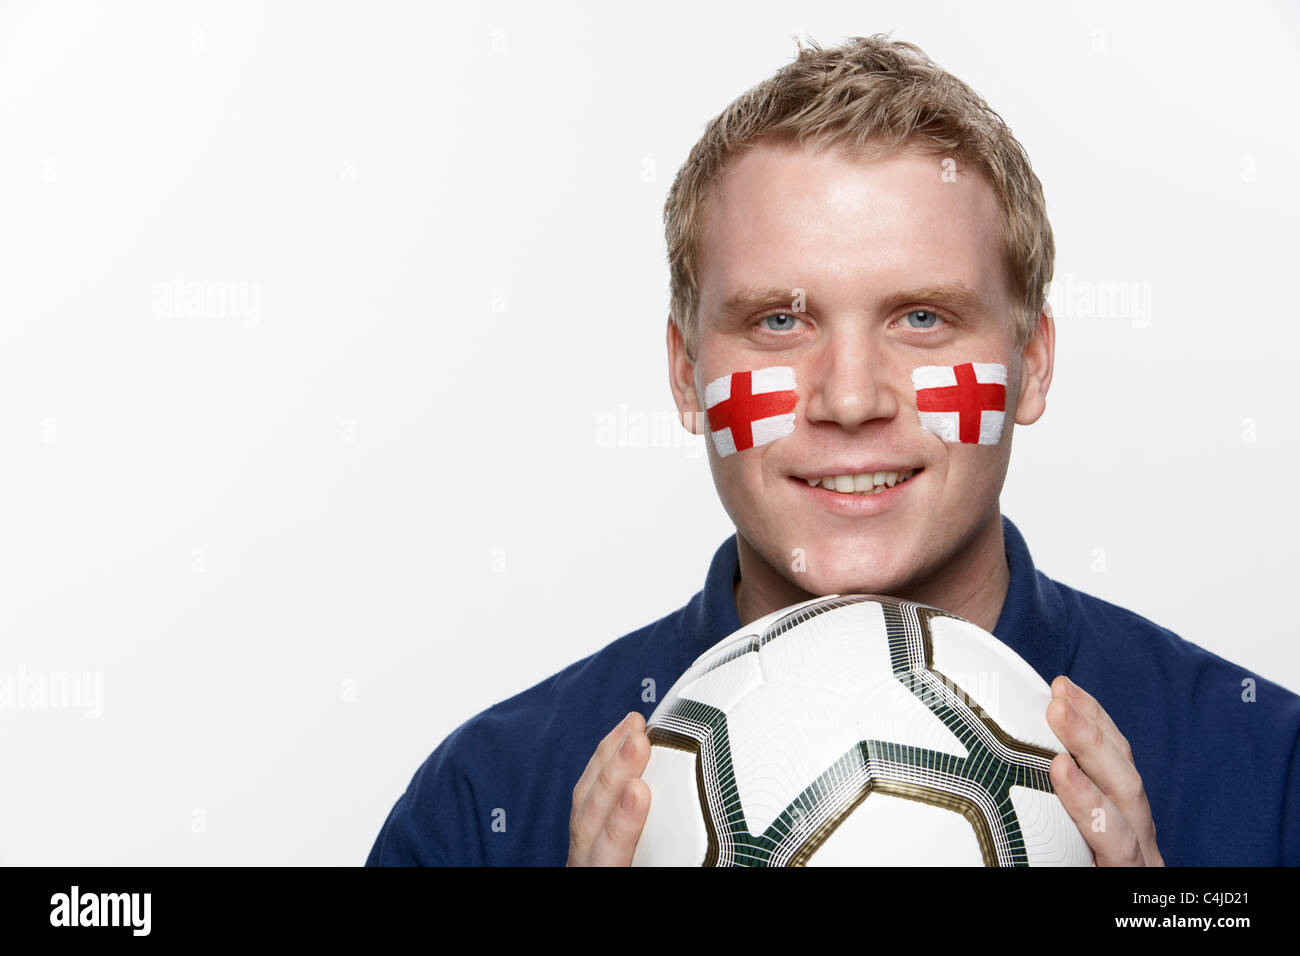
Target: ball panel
725,684
887,710
674,833
900,832
729,646
1007,689
839,650
1051,836
783,736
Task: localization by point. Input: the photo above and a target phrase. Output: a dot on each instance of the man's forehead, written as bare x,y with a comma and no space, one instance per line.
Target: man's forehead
792,219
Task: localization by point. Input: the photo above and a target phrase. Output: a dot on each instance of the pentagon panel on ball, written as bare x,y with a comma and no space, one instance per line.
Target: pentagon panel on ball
856,730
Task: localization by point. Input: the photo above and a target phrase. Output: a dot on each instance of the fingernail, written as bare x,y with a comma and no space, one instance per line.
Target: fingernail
627,800
625,749
1070,712
623,724
1075,773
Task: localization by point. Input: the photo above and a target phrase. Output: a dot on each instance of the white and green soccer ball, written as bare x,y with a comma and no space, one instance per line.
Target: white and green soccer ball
856,730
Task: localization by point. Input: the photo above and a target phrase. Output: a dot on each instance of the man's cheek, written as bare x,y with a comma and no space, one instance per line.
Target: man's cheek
750,408
962,403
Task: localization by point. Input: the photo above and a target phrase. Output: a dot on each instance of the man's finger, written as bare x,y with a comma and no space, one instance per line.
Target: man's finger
1087,705
1104,827
604,750
1108,766
616,844
1094,748
589,821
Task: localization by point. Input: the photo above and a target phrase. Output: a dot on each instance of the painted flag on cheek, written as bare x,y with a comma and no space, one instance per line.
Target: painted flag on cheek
750,408
962,403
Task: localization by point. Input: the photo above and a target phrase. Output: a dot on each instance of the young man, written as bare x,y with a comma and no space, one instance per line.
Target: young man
850,232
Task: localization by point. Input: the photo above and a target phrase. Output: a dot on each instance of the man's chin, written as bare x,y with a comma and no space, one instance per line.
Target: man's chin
885,585
878,591
832,566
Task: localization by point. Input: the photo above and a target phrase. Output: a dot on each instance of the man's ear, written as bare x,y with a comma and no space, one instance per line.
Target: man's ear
1036,369
681,379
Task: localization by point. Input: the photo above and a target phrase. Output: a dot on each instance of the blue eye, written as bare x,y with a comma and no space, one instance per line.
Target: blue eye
780,315
930,321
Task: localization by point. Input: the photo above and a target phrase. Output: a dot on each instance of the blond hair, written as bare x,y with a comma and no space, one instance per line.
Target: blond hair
870,95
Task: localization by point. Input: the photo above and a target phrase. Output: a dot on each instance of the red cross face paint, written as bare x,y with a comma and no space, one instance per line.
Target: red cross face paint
751,408
962,403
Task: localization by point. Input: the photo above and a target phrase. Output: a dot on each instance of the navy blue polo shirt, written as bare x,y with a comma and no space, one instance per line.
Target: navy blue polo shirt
1221,772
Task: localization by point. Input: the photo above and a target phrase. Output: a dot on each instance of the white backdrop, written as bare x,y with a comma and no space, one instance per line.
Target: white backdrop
329,334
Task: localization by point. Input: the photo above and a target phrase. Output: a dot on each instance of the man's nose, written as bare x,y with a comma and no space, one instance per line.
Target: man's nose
849,382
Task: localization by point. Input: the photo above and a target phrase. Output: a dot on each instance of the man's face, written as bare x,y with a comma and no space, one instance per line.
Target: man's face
900,266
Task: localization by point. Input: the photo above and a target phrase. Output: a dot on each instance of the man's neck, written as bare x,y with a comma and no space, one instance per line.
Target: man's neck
973,584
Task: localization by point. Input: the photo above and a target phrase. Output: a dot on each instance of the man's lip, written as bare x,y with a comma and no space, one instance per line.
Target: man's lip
856,505
854,470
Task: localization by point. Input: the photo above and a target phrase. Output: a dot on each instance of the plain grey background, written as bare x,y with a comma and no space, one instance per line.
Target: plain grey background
333,392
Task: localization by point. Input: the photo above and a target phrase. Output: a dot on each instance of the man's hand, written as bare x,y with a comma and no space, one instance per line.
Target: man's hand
1123,833
610,800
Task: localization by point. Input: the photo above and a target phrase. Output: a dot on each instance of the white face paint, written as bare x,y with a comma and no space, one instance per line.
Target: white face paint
962,403
751,408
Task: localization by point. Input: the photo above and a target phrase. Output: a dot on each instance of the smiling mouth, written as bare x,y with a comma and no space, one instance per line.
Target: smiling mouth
869,483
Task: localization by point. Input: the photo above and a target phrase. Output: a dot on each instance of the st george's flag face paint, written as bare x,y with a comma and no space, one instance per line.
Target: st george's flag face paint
747,409
962,403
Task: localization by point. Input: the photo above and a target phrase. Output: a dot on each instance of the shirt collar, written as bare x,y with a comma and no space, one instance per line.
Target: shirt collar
1031,622
1033,619
711,615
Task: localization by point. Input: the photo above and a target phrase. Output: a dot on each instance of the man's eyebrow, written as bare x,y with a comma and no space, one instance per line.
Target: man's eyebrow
959,298
743,300
749,298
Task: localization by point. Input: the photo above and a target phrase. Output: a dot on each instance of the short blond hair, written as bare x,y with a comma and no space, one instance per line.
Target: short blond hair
871,95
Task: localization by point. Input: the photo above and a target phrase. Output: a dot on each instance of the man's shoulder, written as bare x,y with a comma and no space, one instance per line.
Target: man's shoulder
608,676
1106,631
541,715
503,776
1213,740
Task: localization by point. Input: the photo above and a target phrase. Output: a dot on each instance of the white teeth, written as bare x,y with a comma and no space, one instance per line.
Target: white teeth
868,483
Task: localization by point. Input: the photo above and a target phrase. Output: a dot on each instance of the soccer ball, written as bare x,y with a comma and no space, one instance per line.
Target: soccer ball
856,729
